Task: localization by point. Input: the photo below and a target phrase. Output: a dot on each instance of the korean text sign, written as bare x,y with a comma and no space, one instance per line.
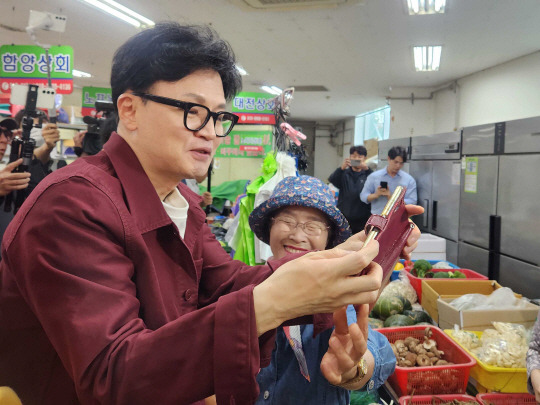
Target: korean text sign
27,64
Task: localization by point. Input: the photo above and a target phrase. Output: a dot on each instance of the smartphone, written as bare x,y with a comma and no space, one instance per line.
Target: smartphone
391,229
355,162
384,184
44,96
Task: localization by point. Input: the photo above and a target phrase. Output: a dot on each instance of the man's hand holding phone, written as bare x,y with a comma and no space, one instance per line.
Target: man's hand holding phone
383,192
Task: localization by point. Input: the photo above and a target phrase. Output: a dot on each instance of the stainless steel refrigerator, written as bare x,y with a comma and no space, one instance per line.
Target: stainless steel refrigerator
436,166
501,187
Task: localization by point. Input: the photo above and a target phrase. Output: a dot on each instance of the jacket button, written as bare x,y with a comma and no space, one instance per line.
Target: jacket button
188,294
371,384
266,394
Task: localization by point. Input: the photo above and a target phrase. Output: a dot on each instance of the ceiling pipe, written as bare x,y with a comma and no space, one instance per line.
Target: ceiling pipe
451,86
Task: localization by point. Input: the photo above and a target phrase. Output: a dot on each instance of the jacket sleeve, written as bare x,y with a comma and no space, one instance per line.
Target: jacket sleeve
336,178
80,284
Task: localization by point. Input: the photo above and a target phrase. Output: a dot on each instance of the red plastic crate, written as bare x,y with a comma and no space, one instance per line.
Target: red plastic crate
493,398
416,282
433,380
434,399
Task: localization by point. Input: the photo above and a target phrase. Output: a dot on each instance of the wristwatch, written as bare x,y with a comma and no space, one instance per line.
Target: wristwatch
361,371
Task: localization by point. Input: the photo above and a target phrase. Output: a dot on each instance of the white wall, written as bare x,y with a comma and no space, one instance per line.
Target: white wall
411,119
326,155
505,92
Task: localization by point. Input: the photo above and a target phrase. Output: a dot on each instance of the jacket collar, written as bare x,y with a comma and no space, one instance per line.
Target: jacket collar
141,197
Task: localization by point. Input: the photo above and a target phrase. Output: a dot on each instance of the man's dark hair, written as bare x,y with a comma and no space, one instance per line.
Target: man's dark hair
169,52
398,151
361,150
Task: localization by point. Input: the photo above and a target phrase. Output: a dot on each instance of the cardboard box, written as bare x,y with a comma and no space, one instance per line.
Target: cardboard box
372,146
479,320
433,289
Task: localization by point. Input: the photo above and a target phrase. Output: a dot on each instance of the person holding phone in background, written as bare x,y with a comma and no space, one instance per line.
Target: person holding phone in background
350,179
381,184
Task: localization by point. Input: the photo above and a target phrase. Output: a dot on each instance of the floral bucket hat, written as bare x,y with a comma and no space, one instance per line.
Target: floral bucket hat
301,191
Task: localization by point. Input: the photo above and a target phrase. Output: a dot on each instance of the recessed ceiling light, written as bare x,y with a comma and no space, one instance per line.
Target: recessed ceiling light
423,7
80,73
241,70
272,90
427,58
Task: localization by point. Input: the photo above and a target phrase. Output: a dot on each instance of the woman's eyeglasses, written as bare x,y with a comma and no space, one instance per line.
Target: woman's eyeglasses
311,228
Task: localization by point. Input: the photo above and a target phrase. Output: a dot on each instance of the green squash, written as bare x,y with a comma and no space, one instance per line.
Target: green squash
406,303
398,320
388,306
375,323
417,316
442,274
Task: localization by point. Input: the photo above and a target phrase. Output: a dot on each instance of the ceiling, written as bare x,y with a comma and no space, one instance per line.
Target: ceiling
360,51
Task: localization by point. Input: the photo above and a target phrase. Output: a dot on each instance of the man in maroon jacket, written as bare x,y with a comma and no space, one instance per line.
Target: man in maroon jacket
112,290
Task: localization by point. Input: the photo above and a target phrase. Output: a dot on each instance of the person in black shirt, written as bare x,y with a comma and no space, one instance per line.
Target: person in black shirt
350,179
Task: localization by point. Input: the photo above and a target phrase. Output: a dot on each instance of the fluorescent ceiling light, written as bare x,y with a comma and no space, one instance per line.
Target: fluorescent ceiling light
272,90
241,70
119,11
423,7
79,73
427,58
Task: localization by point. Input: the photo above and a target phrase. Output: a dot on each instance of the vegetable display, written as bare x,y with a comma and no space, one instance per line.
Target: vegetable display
412,352
504,346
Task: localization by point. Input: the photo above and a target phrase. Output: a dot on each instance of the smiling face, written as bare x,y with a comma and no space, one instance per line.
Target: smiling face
167,150
284,241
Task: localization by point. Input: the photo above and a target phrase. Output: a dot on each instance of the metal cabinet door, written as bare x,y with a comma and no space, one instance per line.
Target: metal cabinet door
476,207
473,258
421,172
445,199
518,205
521,277
522,136
479,140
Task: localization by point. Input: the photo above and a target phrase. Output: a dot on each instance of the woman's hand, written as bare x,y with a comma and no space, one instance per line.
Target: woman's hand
356,241
346,347
318,282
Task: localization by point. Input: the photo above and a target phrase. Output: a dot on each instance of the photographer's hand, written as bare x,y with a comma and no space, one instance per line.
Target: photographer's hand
13,181
51,135
78,139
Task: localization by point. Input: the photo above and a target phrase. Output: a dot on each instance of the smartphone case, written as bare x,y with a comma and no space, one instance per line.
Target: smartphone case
394,229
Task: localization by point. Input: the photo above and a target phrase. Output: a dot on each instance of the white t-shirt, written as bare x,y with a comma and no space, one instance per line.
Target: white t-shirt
177,207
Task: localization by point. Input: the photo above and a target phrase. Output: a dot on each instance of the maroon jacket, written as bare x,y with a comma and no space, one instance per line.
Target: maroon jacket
102,302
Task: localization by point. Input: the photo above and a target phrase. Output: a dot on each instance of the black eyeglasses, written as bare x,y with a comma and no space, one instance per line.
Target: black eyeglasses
7,133
196,116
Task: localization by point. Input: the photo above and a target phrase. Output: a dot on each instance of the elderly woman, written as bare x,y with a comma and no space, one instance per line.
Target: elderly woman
301,215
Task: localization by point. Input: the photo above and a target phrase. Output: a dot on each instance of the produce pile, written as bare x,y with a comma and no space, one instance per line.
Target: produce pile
412,352
504,346
394,307
423,269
